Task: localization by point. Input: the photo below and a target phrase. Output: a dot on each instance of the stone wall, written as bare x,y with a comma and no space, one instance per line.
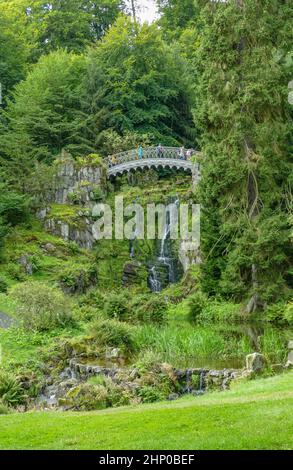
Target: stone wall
81,235
73,181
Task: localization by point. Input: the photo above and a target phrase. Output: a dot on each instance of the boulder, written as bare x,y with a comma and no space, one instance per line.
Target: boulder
255,362
49,247
114,353
173,396
24,261
134,273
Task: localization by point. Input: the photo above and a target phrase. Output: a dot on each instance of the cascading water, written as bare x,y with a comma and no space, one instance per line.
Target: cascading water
154,281
164,269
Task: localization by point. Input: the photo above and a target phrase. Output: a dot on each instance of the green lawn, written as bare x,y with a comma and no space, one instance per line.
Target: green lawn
254,415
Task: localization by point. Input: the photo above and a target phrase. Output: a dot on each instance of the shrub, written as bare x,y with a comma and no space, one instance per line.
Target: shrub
88,397
220,311
115,334
4,410
147,360
15,271
196,304
116,306
97,380
275,313
288,312
87,313
280,312
77,279
41,306
150,309
3,285
149,394
116,394
97,194
93,298
11,393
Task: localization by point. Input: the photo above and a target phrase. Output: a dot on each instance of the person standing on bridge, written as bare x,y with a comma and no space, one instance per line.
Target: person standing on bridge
113,160
140,152
182,153
159,151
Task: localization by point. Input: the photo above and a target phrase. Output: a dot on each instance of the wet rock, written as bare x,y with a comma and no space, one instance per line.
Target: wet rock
82,235
42,213
134,374
255,362
173,396
25,262
134,273
73,184
114,353
48,247
5,321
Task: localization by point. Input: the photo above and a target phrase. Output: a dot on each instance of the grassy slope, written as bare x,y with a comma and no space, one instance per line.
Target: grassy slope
254,415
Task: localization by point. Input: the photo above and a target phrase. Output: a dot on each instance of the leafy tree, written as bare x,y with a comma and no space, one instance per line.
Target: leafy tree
45,115
176,16
245,121
41,307
70,24
136,83
13,210
13,56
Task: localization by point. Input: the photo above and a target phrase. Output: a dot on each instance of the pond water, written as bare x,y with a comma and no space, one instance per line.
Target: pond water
215,346
219,346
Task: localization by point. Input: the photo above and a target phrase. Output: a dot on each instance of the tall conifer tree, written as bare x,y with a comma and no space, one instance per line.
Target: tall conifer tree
245,121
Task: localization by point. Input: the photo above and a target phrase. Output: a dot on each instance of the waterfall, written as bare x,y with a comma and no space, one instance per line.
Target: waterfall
164,269
155,283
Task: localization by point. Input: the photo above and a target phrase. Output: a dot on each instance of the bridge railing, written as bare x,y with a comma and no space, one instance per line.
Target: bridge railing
147,153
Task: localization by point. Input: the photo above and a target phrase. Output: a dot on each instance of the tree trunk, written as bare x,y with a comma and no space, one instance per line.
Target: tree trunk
252,187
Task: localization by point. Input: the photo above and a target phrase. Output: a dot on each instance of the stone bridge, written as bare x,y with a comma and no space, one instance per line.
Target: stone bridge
152,157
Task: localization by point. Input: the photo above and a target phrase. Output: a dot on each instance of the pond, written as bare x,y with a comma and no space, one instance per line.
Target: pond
216,346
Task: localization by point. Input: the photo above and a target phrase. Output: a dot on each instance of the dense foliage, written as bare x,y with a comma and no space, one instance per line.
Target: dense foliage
83,77
242,108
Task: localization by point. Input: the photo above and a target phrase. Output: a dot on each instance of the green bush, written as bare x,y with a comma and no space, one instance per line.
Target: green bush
220,311
115,334
147,360
97,194
3,285
196,303
78,279
116,394
152,309
116,306
16,272
150,394
4,410
288,312
87,313
280,313
275,313
41,306
11,392
87,397
93,298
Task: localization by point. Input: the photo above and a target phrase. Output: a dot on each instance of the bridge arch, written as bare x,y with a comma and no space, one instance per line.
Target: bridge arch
167,157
